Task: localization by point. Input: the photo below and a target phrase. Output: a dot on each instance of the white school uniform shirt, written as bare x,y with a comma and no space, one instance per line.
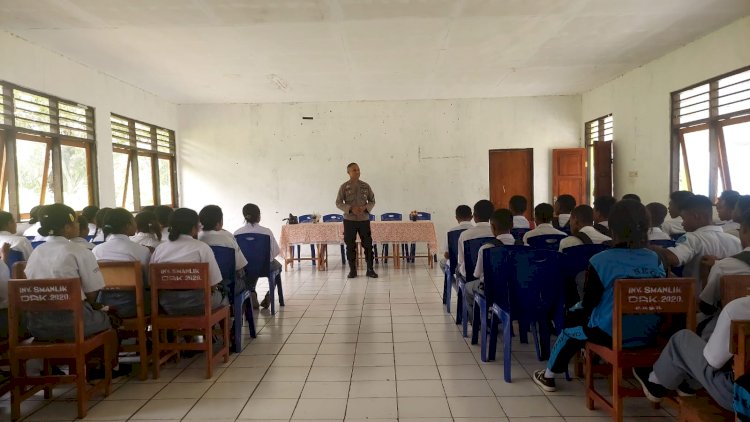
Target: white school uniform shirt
716,351
33,230
82,242
4,277
257,228
673,226
165,234
119,247
17,243
711,294
21,228
707,240
541,230
520,222
563,219
481,229
92,229
186,249
593,233
146,239
731,227
99,236
225,239
656,233
604,223
506,238
464,225
59,258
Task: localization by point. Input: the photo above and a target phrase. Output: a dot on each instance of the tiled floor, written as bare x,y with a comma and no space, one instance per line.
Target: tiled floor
347,350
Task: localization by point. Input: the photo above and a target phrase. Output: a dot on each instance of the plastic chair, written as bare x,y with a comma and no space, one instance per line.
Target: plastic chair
471,251
98,243
390,216
225,259
13,257
546,241
421,216
576,261
337,218
450,268
257,250
89,238
664,243
31,238
518,233
305,219
676,236
36,243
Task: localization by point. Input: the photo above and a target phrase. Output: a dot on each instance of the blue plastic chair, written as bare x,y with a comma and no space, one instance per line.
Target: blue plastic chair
546,241
304,219
31,238
337,218
35,244
14,257
390,216
518,233
676,236
450,268
664,243
421,216
89,238
225,258
576,260
471,252
257,250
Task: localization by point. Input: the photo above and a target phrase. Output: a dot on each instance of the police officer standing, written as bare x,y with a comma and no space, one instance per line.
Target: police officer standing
355,199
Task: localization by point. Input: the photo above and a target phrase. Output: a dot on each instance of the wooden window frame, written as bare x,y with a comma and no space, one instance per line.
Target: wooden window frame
589,140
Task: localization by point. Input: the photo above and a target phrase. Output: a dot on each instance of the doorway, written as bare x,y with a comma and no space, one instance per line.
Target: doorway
512,173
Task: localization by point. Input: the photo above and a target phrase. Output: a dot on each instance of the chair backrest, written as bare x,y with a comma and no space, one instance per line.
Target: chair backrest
18,270
664,243
43,295
330,218
31,238
13,257
225,259
532,282
576,258
180,276
734,287
125,275
34,244
307,218
257,250
423,216
652,296
453,248
518,233
471,252
390,216
89,238
372,217
676,236
546,241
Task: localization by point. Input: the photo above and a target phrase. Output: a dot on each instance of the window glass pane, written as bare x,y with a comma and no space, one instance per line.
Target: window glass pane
75,176
31,111
696,144
734,93
737,141
31,156
122,173
165,182
145,180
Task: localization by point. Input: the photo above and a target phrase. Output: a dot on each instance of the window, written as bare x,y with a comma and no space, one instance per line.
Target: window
144,164
48,145
711,134
599,173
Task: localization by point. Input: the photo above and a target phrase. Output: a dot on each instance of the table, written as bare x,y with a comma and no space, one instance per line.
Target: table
323,234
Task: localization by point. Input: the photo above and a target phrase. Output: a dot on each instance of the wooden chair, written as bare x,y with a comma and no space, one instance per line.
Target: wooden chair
185,276
17,271
128,276
54,295
638,296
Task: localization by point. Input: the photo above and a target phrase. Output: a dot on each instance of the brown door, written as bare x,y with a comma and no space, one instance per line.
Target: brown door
569,173
602,168
512,173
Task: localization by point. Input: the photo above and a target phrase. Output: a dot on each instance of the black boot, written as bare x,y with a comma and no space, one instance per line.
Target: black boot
371,273
352,270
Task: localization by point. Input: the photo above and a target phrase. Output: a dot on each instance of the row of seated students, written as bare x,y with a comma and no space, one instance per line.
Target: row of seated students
690,360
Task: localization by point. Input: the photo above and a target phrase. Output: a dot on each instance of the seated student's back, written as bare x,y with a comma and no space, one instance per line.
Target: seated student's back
740,208
562,209
482,212
213,234
89,212
543,219
7,235
251,213
657,212
582,229
148,230
602,207
33,229
673,225
518,205
83,230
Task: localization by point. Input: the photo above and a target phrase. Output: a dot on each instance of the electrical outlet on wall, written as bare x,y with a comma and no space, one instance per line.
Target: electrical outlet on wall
632,174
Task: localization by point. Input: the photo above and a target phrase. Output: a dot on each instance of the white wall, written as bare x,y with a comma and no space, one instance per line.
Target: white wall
640,103
36,68
426,155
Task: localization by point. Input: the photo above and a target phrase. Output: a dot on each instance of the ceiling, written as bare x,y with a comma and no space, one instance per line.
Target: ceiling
240,51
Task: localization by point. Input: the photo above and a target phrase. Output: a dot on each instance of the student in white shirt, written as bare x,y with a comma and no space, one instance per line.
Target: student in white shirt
4,277
724,207
83,231
483,210
518,205
33,229
99,220
657,212
90,213
7,235
463,218
118,226
148,230
183,247
163,212
673,226
688,362
563,207
632,197
542,218
251,212
702,238
602,207
582,229
741,207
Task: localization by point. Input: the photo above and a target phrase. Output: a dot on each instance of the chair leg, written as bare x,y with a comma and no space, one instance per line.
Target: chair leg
483,330
280,292
507,342
475,309
385,253
465,320
209,351
617,409
249,317
535,335
272,294
155,350
492,346
589,381
523,331
237,324
81,393
142,354
225,325
459,305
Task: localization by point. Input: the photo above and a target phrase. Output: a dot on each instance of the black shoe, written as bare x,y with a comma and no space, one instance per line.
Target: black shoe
546,384
372,274
654,392
684,390
352,274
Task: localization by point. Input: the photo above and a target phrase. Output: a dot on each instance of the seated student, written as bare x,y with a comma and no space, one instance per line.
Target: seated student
518,205
118,226
33,230
90,213
213,234
632,197
724,207
83,231
148,230
252,217
629,258
657,212
602,206
674,224
99,220
688,362
740,208
483,210
183,247
702,238
7,235
463,218
542,219
4,277
582,229
563,207
501,223
163,212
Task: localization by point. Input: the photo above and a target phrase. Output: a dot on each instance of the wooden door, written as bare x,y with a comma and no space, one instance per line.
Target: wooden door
602,169
569,173
512,173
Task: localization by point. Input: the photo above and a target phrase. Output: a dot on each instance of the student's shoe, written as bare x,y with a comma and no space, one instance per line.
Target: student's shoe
352,274
254,300
546,384
684,390
654,392
266,301
371,273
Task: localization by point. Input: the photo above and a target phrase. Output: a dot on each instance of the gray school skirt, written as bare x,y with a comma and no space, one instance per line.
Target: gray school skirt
124,302
188,302
58,325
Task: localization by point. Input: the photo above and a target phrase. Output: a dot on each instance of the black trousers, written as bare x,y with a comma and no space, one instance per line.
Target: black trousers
351,228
